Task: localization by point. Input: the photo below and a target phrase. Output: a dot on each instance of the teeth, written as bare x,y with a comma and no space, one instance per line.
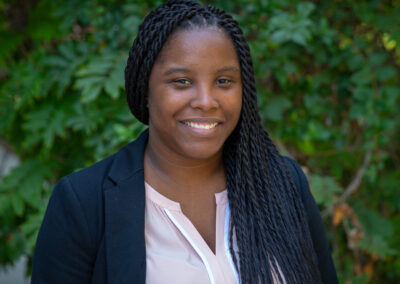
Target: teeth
201,126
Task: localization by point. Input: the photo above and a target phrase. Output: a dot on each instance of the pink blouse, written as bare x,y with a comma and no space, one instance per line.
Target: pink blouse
176,252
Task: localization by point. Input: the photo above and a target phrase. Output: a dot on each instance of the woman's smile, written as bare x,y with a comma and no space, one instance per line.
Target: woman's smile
201,128
201,125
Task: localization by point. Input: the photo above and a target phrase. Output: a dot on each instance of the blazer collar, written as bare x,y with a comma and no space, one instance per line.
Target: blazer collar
129,159
124,202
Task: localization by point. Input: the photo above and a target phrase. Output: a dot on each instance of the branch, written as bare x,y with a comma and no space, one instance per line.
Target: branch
353,185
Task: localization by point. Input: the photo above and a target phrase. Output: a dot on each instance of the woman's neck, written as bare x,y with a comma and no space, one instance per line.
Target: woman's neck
174,175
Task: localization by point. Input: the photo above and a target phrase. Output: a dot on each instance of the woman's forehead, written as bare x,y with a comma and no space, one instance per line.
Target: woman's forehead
188,46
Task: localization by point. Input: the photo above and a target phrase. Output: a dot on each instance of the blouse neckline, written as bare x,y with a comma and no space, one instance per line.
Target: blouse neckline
153,195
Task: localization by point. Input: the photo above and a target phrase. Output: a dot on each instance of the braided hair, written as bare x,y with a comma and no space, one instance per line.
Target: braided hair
267,220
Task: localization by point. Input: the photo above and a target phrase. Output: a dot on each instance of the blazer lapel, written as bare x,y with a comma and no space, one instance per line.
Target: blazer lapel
124,199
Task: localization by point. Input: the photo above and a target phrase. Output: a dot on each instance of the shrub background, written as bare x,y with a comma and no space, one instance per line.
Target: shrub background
328,78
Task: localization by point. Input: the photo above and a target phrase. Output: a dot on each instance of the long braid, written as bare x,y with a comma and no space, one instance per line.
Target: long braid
267,222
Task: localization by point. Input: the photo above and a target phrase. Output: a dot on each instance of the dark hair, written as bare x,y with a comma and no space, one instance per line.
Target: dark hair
267,216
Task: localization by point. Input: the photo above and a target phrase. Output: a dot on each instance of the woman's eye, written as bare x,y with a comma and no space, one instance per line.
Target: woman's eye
183,82
223,81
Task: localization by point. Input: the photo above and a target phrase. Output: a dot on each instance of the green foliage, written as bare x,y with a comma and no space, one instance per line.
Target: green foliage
328,88
324,189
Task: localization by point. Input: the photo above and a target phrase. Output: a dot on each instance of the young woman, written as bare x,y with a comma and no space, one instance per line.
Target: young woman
202,196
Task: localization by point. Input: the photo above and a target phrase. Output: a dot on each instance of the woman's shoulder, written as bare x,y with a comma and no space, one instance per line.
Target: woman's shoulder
118,166
91,178
296,173
77,201
303,188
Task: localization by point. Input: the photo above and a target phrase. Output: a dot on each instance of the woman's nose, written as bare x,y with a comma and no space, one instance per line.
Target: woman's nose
204,98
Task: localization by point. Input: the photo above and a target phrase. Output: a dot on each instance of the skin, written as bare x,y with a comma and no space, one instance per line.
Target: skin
195,80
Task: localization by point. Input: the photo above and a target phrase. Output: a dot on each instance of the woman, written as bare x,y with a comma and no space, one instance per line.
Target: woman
201,197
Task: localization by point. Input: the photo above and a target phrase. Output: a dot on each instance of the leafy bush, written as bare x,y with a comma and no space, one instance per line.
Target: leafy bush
328,83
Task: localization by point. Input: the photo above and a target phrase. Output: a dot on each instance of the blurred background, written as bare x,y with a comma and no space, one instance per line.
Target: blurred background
328,76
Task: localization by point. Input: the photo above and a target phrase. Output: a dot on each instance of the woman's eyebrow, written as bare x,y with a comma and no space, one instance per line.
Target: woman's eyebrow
175,70
184,70
228,68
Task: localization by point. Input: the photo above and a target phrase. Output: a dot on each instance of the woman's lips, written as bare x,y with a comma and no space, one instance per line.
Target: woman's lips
201,125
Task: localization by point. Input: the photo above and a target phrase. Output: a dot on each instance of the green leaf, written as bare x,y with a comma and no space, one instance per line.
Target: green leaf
55,127
55,61
377,58
115,81
279,36
363,94
88,82
276,107
362,77
131,23
85,117
385,73
67,51
38,119
95,68
18,204
304,9
8,113
46,123
30,228
378,231
98,65
324,189
91,93
112,86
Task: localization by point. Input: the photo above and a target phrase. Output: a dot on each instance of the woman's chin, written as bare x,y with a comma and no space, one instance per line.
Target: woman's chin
201,152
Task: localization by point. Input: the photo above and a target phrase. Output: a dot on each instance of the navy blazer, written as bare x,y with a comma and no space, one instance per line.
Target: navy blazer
93,229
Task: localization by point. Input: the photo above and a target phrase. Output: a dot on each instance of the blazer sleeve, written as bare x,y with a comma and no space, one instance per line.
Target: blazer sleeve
316,226
62,254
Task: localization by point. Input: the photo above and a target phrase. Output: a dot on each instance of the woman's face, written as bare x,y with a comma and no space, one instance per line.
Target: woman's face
195,94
